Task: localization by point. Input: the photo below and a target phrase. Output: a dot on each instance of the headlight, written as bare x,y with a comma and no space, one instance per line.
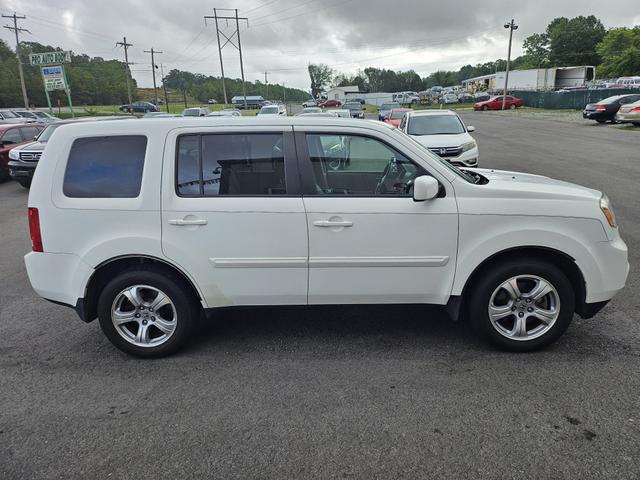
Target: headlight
468,146
14,154
607,209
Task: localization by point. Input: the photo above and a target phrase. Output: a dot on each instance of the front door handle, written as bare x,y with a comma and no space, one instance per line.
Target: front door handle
185,222
333,223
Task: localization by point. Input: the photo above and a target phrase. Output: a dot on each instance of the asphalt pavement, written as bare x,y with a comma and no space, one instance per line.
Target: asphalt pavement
335,392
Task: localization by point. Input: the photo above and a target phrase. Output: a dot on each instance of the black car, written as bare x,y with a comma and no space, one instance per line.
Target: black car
355,109
138,107
606,109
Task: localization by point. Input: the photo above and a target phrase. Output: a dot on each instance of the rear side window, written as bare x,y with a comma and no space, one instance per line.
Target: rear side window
231,164
105,167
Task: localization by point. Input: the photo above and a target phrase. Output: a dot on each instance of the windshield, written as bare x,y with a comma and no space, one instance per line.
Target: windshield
312,110
397,115
8,114
389,106
269,110
460,173
352,106
46,133
435,125
41,114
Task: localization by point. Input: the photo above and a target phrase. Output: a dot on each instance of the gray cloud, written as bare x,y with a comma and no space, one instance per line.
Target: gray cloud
285,35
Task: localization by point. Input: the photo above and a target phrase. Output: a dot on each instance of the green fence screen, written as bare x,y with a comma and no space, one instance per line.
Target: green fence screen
575,99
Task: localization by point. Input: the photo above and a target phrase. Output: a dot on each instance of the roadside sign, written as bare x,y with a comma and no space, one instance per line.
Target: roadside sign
54,78
50,58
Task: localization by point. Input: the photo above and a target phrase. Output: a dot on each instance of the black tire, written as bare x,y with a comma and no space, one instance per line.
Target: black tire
494,276
186,310
636,124
601,121
485,108
25,182
512,106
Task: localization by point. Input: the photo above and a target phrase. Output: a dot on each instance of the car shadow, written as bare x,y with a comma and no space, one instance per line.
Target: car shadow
335,330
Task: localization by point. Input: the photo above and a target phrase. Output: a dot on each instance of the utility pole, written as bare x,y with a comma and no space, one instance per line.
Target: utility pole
127,72
266,83
164,87
153,71
17,30
511,26
230,39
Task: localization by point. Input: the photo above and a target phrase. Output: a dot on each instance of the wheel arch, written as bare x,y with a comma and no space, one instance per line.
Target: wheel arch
561,259
104,271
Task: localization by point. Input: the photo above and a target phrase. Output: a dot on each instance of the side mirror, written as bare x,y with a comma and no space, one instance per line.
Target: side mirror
471,128
425,187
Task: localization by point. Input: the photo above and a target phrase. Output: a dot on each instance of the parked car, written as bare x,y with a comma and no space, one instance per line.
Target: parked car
310,103
386,108
629,113
225,113
235,111
605,110
444,133
139,107
7,116
449,98
196,112
160,115
11,136
273,111
171,220
330,103
23,159
481,96
355,109
339,113
310,110
36,116
406,98
466,97
212,101
395,116
495,103
628,82
356,99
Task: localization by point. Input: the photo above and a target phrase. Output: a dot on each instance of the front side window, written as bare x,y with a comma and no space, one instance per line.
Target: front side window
359,166
105,167
231,164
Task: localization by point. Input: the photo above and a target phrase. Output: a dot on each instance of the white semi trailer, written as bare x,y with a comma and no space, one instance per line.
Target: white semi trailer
546,78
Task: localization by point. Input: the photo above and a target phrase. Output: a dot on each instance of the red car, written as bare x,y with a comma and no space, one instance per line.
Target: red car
331,103
495,103
12,135
394,117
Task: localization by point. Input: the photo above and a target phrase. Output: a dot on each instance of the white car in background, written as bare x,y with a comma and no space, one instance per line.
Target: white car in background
272,111
444,133
340,113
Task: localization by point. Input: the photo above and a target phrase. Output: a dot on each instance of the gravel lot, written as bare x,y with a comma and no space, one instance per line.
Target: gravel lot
371,392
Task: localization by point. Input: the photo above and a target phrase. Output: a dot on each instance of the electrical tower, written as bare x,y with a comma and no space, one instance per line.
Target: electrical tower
15,29
127,72
153,71
230,39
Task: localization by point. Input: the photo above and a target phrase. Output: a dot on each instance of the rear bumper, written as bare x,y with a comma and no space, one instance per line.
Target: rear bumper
628,117
596,115
58,277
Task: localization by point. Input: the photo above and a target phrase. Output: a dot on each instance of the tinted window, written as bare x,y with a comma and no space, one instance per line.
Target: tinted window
12,136
359,166
231,164
105,167
29,132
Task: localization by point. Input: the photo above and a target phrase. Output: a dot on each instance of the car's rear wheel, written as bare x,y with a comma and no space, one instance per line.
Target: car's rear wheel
485,108
25,182
146,313
522,305
600,121
512,106
636,124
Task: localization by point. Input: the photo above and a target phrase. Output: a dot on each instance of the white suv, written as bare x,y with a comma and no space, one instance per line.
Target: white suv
146,225
444,133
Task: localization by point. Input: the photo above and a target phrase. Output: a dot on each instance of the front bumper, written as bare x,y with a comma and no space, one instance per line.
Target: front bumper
20,170
465,159
612,269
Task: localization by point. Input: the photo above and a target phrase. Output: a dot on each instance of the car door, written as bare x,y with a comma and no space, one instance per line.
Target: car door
233,216
369,242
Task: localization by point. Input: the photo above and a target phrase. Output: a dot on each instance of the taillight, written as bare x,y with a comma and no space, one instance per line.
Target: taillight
635,109
34,230
600,107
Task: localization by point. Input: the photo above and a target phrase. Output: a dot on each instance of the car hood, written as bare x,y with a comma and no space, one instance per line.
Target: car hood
431,141
534,186
31,147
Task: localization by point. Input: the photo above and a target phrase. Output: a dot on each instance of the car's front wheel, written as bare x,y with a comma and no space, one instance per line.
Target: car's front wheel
485,108
25,182
522,305
147,313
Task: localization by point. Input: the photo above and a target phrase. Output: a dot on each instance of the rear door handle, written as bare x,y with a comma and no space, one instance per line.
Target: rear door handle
333,223
182,222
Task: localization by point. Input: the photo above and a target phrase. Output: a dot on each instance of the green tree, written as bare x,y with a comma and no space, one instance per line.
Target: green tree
574,41
620,51
320,76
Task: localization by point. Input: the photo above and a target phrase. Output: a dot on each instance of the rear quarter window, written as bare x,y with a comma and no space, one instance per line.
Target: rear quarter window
105,167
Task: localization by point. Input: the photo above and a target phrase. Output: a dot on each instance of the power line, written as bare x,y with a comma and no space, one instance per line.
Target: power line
260,6
17,30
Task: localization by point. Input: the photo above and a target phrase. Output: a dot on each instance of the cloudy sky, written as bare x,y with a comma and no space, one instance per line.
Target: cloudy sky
283,36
